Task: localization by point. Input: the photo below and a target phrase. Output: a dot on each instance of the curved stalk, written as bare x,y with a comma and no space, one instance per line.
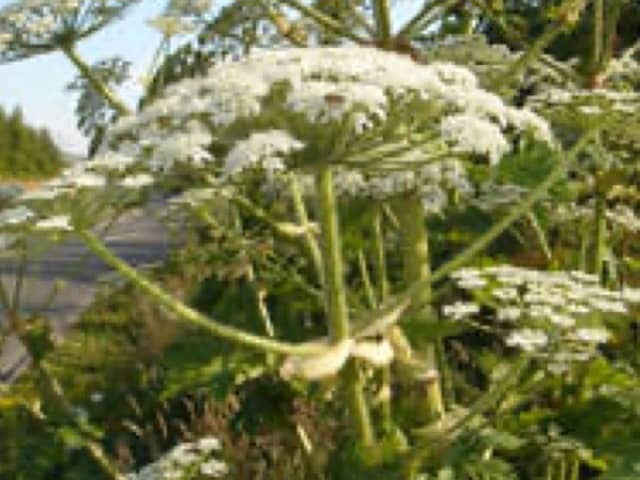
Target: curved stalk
188,314
336,302
96,83
303,219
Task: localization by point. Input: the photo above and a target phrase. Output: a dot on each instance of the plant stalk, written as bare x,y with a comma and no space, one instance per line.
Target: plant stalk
417,268
98,85
188,314
336,302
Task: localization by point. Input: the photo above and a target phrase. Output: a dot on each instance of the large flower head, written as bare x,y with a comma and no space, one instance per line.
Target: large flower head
375,114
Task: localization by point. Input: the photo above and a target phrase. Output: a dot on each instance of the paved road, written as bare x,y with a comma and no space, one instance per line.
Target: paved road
138,237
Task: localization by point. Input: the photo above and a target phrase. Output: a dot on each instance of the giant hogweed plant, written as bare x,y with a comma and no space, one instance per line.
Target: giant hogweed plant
332,125
353,120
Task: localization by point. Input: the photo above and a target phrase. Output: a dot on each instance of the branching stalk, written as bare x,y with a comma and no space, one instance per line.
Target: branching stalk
96,83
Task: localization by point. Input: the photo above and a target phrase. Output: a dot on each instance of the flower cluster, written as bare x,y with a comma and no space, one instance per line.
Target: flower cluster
187,461
280,90
557,315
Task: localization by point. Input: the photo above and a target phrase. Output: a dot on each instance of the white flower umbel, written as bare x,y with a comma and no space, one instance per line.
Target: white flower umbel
111,161
325,85
184,461
471,134
562,305
527,339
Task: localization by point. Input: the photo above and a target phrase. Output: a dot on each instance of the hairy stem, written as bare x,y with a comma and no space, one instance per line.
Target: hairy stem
188,314
336,302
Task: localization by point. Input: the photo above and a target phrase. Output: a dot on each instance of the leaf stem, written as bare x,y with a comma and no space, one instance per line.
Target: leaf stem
188,314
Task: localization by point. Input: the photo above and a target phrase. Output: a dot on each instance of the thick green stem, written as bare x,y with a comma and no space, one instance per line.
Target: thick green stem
417,269
96,83
598,35
188,314
336,302
382,14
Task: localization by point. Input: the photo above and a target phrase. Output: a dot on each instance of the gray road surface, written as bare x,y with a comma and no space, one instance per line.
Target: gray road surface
138,237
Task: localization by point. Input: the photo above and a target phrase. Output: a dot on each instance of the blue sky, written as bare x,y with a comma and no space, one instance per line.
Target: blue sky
37,85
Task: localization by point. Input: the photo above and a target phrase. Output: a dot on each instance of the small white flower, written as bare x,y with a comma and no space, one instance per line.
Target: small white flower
209,444
471,134
139,180
561,320
472,283
505,293
527,339
214,469
508,314
460,310
261,149
592,335
55,223
15,216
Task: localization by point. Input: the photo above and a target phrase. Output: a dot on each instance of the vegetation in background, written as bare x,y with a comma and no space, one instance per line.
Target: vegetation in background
26,152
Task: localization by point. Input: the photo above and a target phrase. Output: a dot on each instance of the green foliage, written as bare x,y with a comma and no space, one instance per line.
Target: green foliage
25,152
